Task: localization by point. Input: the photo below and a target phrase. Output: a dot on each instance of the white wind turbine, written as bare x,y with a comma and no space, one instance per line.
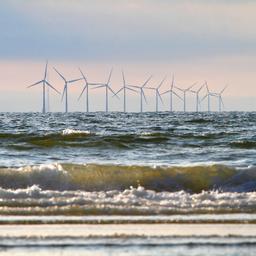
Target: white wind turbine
197,96
172,92
107,88
124,88
219,96
157,93
44,83
86,88
185,91
142,93
208,95
65,89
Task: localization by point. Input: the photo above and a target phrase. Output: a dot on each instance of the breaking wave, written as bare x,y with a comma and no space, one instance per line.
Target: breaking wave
132,201
72,189
96,177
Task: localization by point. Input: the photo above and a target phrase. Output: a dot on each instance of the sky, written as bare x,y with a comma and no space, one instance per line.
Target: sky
196,40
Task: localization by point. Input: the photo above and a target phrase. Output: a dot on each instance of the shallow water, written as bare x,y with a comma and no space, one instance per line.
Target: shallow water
128,248
129,239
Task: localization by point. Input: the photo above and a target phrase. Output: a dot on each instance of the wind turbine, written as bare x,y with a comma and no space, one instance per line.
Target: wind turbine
171,91
185,94
158,95
124,88
44,83
142,94
86,88
219,96
107,88
65,89
197,96
208,95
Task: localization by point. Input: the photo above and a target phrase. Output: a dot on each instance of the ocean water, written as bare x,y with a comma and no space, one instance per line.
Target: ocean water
128,168
127,164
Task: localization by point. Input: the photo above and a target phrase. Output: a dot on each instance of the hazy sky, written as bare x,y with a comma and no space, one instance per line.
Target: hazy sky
196,40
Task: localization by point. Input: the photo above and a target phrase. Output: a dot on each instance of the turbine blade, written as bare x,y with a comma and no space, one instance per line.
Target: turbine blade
35,84
83,75
112,92
52,87
123,78
60,74
206,84
222,101
200,88
224,89
63,93
131,89
144,96
109,77
213,94
177,95
160,97
172,81
191,86
161,83
100,86
179,88
45,71
94,83
82,92
118,91
134,86
75,80
203,98
147,81
166,92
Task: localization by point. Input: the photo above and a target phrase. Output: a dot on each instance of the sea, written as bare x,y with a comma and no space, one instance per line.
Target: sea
134,171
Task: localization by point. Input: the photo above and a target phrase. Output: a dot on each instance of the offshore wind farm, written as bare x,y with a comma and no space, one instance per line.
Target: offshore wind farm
139,90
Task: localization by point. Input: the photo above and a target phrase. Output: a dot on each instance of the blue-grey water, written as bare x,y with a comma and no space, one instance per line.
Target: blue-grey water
151,164
117,138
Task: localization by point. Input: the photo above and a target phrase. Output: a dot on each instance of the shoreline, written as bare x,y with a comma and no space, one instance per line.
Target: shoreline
242,218
127,230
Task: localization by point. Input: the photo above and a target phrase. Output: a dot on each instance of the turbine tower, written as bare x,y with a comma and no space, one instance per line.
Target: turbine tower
44,83
197,96
86,88
185,91
107,88
172,92
124,88
157,93
142,93
65,89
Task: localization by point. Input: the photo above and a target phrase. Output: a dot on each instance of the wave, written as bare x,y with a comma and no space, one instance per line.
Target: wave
244,144
73,132
91,189
132,201
80,138
85,138
96,177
